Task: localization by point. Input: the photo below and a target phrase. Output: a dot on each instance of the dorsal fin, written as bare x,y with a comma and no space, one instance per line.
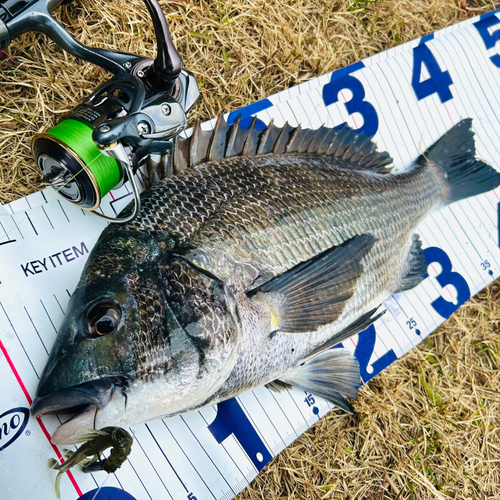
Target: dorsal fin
226,141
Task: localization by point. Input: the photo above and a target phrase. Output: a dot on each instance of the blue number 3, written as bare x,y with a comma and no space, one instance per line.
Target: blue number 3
341,81
447,277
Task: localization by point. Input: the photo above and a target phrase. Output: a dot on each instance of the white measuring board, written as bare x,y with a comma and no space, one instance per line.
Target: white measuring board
407,97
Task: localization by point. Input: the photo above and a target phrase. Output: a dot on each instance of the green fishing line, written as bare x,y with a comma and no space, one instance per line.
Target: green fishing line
78,136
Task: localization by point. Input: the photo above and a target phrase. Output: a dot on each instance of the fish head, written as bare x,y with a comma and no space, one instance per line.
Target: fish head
146,335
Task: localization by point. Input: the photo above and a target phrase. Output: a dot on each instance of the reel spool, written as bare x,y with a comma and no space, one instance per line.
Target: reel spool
71,163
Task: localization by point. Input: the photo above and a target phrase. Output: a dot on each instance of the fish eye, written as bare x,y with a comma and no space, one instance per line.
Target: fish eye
103,318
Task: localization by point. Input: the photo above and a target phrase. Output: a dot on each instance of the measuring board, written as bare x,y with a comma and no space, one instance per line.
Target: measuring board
407,97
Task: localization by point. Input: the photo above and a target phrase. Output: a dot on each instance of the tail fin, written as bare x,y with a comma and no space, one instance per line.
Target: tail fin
455,155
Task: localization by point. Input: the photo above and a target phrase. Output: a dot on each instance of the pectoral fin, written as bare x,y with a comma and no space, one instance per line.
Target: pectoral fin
314,293
333,374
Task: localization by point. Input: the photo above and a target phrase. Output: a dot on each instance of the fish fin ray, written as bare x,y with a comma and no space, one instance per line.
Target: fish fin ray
252,140
199,144
417,266
218,139
332,373
180,158
314,293
455,155
361,324
285,133
225,141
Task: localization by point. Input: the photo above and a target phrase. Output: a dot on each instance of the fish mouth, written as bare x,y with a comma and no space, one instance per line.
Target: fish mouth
84,401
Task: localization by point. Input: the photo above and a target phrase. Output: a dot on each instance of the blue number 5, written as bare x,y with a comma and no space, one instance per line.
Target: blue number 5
340,81
489,39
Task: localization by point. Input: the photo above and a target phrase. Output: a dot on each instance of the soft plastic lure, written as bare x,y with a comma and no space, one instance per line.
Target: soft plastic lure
88,456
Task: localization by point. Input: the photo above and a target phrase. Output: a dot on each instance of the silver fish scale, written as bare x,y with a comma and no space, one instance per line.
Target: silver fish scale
274,211
180,205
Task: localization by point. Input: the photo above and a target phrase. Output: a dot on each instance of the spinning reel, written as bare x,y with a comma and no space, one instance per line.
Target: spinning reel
131,118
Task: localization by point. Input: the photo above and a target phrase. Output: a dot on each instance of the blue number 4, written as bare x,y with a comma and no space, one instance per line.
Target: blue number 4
439,81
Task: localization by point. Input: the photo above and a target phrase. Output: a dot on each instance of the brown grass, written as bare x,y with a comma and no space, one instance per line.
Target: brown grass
428,426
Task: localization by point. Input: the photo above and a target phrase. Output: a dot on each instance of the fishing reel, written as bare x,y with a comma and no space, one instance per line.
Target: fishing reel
129,120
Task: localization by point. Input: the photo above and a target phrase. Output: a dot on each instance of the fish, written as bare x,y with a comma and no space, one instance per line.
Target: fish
262,251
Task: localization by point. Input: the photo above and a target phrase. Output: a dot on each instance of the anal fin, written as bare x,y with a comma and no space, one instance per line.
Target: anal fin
332,374
417,266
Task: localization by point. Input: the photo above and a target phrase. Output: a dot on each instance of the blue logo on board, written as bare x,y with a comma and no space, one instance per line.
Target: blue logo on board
12,424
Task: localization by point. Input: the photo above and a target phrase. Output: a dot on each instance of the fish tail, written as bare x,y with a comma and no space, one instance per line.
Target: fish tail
455,156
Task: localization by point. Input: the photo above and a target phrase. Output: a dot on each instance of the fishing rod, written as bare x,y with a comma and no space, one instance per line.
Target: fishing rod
130,120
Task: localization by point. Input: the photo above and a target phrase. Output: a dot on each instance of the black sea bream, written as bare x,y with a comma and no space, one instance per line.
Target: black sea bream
263,250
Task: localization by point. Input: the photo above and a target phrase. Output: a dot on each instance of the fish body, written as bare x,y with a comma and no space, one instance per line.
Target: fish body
245,269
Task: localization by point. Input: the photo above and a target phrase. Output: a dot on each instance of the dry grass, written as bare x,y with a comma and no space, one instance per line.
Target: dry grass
428,426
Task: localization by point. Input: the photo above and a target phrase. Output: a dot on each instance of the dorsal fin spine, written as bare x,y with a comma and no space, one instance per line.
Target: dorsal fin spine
279,141
194,142
294,138
264,136
232,136
249,146
226,141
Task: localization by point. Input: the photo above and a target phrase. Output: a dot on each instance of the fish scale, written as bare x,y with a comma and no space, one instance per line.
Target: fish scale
235,224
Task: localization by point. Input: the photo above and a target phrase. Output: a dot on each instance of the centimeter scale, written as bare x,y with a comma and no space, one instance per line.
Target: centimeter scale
407,97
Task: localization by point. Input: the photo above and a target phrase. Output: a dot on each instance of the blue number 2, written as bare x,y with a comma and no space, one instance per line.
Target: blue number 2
447,277
489,39
340,81
363,353
231,419
439,81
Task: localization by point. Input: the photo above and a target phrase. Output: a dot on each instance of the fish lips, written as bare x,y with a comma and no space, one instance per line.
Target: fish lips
84,400
80,398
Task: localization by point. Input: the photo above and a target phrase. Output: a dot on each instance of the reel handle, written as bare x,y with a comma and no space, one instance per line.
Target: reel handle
20,16
163,73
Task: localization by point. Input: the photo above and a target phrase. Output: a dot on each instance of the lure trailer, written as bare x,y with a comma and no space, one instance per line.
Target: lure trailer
129,120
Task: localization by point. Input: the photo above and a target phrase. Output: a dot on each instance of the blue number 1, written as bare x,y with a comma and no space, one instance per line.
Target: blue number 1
439,81
231,419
